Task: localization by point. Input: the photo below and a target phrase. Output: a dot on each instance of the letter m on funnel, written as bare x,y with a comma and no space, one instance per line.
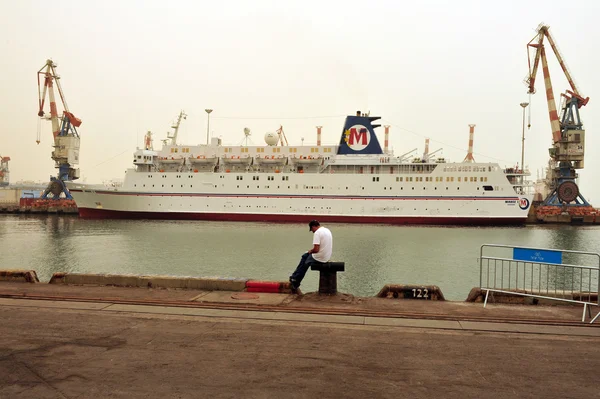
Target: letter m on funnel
358,136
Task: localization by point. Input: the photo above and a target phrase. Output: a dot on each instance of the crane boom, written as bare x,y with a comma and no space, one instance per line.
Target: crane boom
544,32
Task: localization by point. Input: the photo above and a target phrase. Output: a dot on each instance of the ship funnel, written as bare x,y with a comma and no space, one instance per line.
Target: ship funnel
358,136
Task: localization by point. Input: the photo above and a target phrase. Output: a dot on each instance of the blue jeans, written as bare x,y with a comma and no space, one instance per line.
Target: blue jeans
305,261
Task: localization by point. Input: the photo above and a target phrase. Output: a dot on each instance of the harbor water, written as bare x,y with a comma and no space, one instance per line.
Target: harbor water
375,255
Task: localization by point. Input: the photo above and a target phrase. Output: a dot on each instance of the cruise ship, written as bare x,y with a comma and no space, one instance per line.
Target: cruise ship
355,181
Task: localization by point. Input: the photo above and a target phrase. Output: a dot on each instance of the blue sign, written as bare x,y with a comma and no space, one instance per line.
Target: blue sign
537,255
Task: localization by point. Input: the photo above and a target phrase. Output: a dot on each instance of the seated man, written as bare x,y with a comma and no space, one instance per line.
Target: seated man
319,253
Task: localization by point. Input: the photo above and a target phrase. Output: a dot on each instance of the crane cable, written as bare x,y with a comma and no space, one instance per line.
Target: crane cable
39,129
529,114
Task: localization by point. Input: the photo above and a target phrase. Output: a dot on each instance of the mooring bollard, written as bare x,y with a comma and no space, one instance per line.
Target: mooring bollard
328,276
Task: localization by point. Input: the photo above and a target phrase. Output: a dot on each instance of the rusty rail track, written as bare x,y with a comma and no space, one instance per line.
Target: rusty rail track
300,309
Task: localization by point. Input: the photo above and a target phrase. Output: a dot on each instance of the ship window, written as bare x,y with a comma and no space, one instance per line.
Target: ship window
481,179
488,188
458,178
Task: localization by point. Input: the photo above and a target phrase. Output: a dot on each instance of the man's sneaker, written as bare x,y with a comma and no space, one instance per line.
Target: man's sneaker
293,286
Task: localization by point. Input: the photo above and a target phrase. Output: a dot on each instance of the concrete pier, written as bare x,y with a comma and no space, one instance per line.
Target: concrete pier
63,340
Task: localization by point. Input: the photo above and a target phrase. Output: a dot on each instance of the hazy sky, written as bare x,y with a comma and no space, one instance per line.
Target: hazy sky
427,68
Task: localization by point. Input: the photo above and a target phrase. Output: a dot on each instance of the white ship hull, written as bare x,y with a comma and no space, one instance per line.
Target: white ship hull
331,198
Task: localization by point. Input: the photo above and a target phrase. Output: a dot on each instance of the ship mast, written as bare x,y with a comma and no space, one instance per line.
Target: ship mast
175,127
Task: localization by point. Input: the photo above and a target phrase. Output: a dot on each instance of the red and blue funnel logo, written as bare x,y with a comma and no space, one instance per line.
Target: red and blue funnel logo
358,136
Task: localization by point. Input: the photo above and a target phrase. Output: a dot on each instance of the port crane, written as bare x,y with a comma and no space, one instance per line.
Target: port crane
4,172
568,134
64,130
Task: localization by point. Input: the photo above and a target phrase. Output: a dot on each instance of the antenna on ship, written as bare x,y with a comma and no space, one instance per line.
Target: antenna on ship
247,133
319,135
148,141
469,157
426,151
386,140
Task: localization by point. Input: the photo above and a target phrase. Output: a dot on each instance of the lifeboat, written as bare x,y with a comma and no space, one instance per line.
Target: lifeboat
308,160
272,160
237,160
203,160
171,160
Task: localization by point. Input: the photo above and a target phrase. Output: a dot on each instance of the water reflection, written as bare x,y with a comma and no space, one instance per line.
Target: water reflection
375,255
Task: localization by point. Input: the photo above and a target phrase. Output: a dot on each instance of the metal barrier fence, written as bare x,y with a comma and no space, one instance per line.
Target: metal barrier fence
560,275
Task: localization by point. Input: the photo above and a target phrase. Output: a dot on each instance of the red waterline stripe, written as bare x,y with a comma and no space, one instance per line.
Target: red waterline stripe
92,213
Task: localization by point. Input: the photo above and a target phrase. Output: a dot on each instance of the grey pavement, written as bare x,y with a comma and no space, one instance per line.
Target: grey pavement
83,349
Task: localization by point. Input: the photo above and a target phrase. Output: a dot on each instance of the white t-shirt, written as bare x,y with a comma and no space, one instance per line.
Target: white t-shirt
323,237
